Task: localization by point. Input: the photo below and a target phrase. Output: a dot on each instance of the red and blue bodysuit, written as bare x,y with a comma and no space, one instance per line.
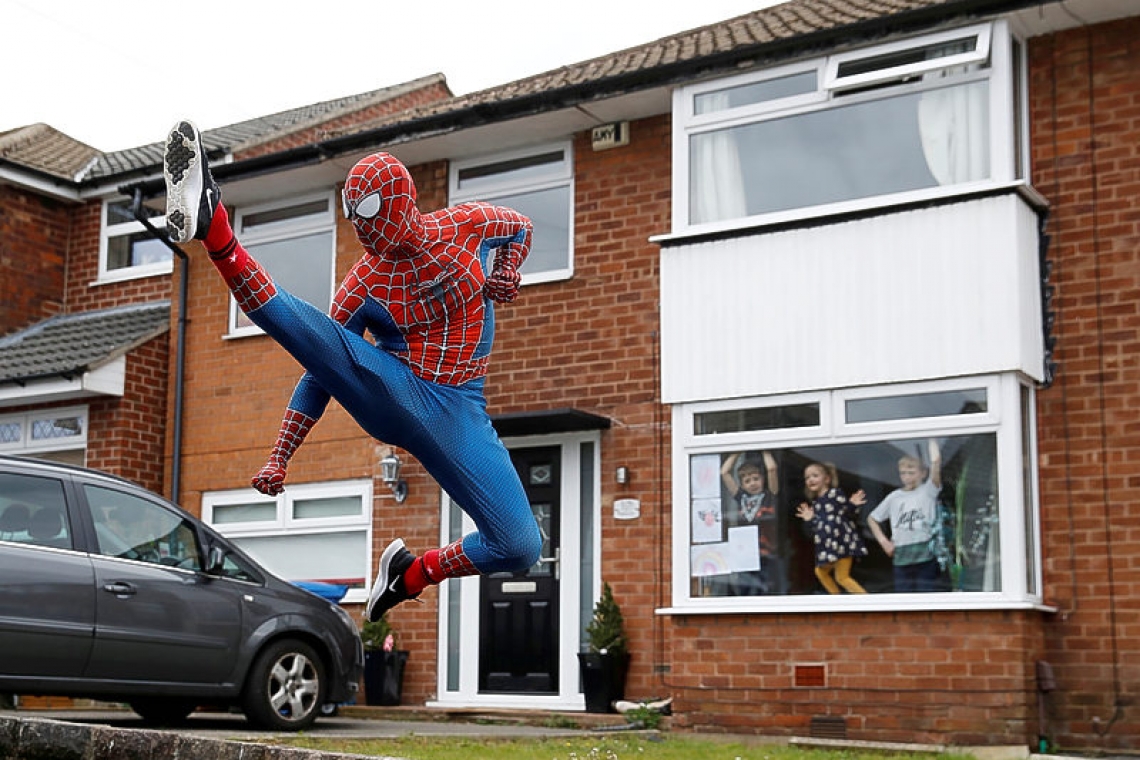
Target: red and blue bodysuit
424,290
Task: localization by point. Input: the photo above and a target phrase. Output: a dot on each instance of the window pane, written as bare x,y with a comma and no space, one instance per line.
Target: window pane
56,428
908,57
755,92
323,557
301,265
11,432
760,418
549,211
756,530
524,169
244,513
263,221
343,506
907,142
33,511
135,250
120,213
130,527
941,404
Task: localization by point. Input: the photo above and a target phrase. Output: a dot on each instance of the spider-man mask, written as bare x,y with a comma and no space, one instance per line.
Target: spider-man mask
379,198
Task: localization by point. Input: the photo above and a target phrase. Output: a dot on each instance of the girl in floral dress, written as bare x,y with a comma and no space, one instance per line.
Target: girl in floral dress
832,517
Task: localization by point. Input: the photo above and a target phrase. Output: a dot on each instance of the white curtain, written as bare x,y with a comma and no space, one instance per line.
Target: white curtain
953,122
717,182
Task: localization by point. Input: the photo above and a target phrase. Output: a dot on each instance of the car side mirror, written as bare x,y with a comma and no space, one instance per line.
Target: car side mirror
215,560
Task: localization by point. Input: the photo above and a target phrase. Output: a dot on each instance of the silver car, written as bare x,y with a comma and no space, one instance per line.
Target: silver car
108,591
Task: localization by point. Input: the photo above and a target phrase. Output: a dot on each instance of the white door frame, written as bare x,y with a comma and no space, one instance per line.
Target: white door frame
459,640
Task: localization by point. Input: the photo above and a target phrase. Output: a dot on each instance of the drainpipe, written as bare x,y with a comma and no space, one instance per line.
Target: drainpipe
180,351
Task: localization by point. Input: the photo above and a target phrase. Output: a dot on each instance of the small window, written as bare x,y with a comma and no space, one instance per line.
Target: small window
909,59
295,242
764,91
917,405
756,418
55,431
538,185
127,249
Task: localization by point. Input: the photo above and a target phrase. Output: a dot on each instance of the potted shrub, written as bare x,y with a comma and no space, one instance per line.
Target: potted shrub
383,664
604,666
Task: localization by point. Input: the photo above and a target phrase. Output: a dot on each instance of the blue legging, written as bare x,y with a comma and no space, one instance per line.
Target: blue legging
446,428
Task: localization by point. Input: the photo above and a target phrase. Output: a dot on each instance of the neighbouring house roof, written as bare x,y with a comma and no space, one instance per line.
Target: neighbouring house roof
71,344
44,149
47,150
245,134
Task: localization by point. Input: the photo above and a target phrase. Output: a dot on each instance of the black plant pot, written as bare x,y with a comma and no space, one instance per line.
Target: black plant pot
603,679
384,677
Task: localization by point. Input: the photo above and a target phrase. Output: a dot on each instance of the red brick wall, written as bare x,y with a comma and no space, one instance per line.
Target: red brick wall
34,236
126,435
83,291
591,343
1086,157
928,677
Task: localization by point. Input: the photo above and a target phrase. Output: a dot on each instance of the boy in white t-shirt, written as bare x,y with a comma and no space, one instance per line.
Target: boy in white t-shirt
912,511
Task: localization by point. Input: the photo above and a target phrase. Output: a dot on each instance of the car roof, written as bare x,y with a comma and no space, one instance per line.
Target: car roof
50,466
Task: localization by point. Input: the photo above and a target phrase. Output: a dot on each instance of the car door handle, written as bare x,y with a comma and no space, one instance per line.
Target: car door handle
119,588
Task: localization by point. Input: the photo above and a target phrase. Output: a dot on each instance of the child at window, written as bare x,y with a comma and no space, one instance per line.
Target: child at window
912,511
754,490
834,533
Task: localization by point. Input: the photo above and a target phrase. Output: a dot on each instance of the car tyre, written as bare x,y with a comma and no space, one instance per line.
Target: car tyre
163,711
286,687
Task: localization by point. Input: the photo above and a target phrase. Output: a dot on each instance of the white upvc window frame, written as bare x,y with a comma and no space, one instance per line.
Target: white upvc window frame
310,224
25,422
286,523
560,174
981,33
995,41
1009,399
109,231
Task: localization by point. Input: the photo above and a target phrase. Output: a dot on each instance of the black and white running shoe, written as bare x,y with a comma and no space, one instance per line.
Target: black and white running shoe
191,193
389,589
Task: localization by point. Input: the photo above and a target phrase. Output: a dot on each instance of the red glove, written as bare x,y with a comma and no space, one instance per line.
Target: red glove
270,479
503,285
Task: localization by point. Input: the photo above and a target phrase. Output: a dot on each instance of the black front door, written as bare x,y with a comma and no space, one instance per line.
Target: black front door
518,634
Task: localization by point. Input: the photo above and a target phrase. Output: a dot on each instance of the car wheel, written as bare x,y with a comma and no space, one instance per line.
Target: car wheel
285,687
163,711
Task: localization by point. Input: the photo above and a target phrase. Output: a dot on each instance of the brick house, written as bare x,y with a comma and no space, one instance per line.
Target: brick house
827,231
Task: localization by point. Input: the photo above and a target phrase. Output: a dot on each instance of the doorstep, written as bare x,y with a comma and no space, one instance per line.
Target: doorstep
582,720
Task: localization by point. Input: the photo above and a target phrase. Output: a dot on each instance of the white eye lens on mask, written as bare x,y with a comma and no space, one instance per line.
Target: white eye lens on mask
366,208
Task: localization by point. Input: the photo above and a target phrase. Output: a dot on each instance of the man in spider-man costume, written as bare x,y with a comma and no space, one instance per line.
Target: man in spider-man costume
424,290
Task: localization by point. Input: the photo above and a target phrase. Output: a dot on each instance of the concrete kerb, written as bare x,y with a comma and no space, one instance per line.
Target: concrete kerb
43,739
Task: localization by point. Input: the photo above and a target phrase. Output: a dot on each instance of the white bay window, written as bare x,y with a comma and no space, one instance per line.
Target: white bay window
978,539
911,119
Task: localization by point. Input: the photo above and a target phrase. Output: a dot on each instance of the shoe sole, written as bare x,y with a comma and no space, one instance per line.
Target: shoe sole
381,584
180,166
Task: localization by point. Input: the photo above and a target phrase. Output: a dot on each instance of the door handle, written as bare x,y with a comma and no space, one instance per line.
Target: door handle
556,560
119,588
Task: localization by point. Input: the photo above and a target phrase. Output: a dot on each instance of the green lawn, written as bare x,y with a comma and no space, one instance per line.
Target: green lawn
626,747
